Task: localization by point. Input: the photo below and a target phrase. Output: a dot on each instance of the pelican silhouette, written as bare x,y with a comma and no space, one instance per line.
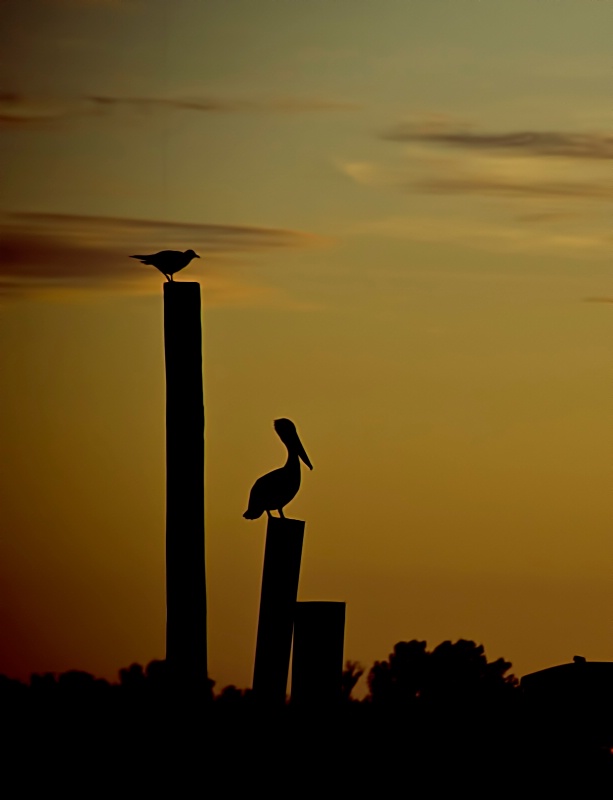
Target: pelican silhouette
168,261
275,489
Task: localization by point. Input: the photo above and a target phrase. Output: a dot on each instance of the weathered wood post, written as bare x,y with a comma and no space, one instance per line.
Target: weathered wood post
317,664
186,634
282,558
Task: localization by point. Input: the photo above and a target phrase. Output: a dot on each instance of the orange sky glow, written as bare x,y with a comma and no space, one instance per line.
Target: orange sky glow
403,216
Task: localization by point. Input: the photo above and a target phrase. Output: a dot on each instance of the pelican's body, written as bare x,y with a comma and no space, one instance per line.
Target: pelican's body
276,489
168,261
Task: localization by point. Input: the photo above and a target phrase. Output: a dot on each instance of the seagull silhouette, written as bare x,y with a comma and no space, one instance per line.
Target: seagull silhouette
168,261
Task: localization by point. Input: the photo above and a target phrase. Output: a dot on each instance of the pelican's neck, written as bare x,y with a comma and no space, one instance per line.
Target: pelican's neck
293,461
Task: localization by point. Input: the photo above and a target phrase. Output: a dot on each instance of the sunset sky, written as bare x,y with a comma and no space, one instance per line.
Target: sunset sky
403,211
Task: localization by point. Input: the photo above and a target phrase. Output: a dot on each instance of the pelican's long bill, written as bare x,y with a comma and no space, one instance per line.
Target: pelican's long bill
302,454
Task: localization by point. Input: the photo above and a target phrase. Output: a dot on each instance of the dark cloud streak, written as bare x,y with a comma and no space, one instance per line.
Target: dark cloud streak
18,111
536,143
515,189
606,300
48,249
21,111
548,216
288,104
150,103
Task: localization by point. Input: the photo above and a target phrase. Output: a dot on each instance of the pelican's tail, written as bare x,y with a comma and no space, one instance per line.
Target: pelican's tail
253,513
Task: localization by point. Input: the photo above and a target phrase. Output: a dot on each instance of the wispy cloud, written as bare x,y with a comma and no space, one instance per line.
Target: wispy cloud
598,299
536,143
493,237
440,156
21,111
280,104
61,250
509,187
553,202
112,4
548,216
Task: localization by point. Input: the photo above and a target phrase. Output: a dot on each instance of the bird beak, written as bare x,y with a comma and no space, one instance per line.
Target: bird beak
303,456
196,254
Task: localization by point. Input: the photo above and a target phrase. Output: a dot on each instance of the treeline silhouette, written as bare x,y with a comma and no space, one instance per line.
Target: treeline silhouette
445,716
411,677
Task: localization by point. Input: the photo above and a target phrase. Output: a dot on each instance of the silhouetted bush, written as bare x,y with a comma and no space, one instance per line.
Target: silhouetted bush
133,678
351,675
452,673
429,714
230,695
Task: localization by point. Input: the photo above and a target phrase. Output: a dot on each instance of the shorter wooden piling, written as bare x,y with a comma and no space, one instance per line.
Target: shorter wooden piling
280,577
317,665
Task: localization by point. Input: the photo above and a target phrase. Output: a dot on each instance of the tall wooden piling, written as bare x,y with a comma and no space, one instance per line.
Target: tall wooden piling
280,577
186,635
317,663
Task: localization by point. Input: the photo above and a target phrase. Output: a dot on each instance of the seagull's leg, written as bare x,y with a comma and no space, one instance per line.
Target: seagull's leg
281,514
269,514
167,276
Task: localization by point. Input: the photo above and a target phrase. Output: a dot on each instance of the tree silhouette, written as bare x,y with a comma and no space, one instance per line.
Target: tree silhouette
351,675
451,673
132,678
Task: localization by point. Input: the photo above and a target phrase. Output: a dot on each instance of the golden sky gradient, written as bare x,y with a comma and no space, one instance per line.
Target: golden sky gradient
403,211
